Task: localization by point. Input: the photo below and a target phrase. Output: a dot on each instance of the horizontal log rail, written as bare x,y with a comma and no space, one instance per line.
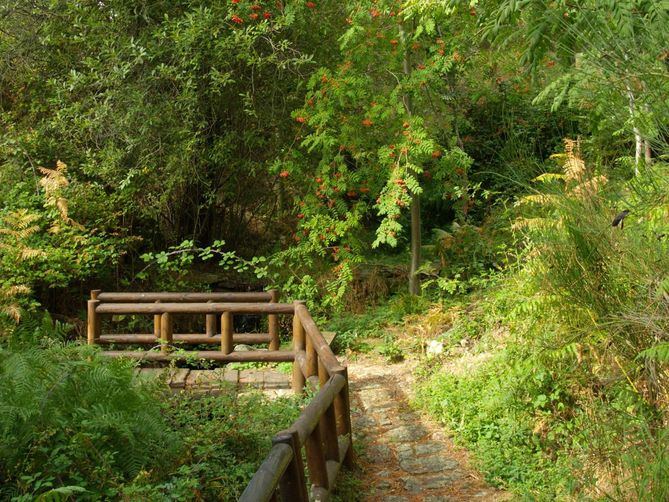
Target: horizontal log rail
195,308
185,339
274,356
185,297
323,428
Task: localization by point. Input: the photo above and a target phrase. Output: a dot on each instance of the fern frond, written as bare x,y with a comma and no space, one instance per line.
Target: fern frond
12,310
590,187
541,199
31,253
547,177
532,224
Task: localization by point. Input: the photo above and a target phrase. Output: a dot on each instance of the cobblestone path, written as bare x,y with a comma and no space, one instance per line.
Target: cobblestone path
405,456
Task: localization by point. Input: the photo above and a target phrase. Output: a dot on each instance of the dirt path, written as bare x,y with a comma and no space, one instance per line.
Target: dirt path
406,456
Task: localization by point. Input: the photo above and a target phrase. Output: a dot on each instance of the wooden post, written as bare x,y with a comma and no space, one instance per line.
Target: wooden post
95,293
166,332
316,459
226,332
157,320
298,345
342,407
328,421
312,358
293,484
93,322
273,323
210,323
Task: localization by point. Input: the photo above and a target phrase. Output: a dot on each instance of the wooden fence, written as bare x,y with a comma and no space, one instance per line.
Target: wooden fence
323,429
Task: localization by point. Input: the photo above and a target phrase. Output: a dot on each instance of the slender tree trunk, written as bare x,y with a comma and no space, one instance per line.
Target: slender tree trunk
648,153
414,280
638,141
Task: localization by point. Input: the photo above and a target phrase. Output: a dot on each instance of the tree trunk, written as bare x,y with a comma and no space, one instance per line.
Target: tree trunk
414,280
638,141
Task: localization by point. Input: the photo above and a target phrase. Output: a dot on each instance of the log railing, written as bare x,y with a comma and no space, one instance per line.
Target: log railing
212,335
323,429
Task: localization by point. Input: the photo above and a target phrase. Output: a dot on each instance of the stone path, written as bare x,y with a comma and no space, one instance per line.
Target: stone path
405,456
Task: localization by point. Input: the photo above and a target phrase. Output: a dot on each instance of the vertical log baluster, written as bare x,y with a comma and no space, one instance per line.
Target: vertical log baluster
293,484
210,323
166,332
273,323
312,358
328,421
157,320
93,322
342,408
298,346
316,459
226,332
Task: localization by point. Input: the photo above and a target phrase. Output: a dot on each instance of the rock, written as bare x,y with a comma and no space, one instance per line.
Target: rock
422,465
415,484
379,453
405,433
374,399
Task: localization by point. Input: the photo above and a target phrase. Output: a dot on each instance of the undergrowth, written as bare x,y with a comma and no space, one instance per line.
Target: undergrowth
75,424
571,400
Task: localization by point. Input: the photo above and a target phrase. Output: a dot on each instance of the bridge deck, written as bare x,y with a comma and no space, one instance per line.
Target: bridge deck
273,382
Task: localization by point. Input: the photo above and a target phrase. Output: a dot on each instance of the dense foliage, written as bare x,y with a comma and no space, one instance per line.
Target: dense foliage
74,425
505,158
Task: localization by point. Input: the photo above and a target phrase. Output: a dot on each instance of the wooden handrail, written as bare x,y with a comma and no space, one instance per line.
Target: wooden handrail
194,308
116,297
323,428
320,344
256,356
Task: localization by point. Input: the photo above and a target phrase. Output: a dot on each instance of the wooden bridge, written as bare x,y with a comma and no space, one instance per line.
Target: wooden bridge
323,428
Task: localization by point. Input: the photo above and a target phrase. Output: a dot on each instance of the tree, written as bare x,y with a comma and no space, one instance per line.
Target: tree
378,132
612,58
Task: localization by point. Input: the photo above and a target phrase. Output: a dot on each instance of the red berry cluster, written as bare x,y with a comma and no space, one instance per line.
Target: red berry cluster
252,10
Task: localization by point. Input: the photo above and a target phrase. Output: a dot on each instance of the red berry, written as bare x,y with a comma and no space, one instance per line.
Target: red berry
284,174
253,16
300,119
236,19
266,15
311,5
255,7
